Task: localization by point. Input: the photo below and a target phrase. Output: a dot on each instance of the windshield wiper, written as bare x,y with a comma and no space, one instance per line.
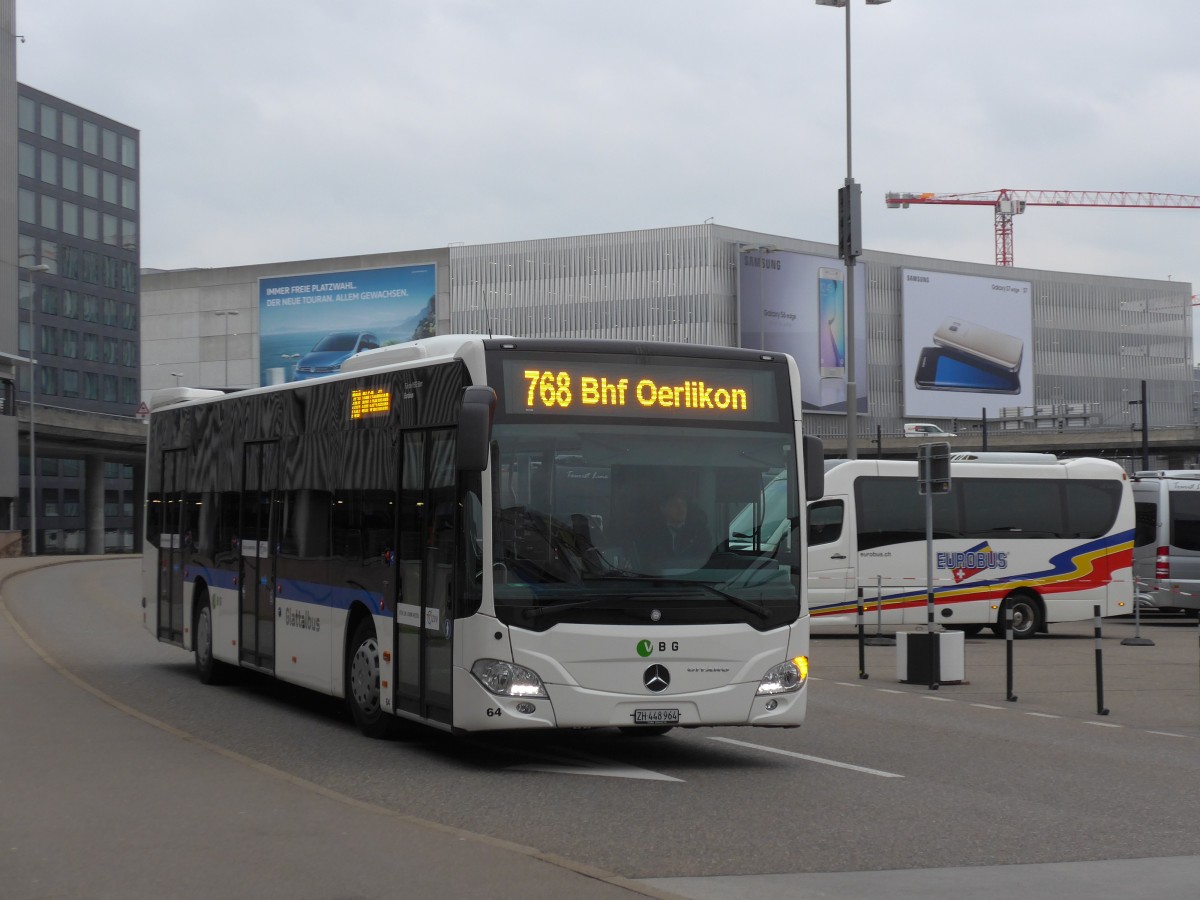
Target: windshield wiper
749,605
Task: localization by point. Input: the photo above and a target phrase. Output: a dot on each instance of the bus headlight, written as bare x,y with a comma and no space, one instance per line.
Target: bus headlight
784,678
507,679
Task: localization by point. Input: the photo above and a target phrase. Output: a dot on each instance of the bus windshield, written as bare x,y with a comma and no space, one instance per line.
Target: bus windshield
627,523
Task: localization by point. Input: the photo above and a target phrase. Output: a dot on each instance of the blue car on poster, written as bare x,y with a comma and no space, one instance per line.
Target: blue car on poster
327,356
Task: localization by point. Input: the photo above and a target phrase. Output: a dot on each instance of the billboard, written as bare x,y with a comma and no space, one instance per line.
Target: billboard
309,324
796,304
968,344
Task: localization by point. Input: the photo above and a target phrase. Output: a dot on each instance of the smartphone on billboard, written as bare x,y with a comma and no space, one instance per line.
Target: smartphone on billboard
942,369
989,345
831,323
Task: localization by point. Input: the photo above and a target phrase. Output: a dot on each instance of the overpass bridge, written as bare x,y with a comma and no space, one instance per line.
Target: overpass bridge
96,439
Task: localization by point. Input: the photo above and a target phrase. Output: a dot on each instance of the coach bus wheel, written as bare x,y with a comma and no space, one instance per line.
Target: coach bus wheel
362,683
1026,614
646,730
207,668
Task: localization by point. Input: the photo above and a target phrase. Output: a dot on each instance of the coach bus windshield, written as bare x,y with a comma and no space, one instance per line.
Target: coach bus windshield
629,523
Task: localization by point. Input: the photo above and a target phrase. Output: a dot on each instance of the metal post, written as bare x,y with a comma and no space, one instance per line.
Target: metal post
33,403
879,639
1100,710
1137,640
862,650
225,314
1008,650
983,427
1145,429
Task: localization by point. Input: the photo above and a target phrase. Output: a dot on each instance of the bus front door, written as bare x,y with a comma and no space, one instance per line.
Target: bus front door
425,609
258,542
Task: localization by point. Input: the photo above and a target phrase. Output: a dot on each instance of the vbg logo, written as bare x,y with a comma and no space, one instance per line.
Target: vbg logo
645,648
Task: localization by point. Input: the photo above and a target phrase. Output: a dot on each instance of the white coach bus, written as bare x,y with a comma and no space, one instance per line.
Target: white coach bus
462,531
1054,538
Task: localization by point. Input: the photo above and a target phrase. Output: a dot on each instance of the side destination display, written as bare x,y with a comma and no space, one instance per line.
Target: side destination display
614,389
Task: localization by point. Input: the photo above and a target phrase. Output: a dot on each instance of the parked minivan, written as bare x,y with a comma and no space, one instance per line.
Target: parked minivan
926,430
1166,543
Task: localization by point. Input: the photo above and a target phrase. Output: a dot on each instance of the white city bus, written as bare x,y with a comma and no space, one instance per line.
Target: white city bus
458,531
1054,538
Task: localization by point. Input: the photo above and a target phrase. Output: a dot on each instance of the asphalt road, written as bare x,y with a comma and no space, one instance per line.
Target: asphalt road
122,776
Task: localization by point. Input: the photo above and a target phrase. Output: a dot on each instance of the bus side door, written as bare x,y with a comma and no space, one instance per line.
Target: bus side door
258,541
172,514
832,582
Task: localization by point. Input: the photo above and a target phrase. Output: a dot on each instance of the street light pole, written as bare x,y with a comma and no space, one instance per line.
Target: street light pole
225,314
850,243
32,426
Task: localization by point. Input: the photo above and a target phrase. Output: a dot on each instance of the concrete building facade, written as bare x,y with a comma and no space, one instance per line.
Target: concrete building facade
1095,339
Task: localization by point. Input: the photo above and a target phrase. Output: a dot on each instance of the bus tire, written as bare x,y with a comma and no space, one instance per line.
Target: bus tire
1027,616
645,730
208,668
362,682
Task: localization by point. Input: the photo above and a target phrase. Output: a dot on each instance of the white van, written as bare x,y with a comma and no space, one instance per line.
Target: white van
926,430
1166,543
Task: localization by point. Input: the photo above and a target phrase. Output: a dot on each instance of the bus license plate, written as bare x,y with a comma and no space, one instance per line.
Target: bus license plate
656,717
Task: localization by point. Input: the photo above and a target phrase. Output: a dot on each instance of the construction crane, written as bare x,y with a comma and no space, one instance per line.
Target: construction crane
1008,203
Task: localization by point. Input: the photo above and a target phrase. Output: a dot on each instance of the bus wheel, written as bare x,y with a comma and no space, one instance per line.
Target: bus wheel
645,730
1026,616
209,670
362,683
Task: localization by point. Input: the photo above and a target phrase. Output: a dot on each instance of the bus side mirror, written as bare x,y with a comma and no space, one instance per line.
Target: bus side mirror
475,428
814,468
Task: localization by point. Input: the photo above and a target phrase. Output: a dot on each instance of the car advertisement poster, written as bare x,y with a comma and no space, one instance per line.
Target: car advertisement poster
796,304
968,344
310,324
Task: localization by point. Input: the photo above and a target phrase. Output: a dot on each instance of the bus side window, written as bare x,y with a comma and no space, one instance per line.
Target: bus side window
825,521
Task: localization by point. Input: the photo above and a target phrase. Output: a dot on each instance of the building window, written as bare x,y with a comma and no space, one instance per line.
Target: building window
110,145
49,122
49,304
49,212
70,218
70,304
128,353
110,503
91,181
128,152
91,386
128,234
129,390
70,343
91,224
48,381
110,354
49,256
111,235
91,138
110,311
49,173
27,206
49,339
70,173
91,347
26,160
27,114
129,193
70,130
108,385
70,502
70,383
109,181
50,502
128,316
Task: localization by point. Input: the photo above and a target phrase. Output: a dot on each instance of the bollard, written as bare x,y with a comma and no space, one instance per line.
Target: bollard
1137,640
1008,651
862,648
1100,710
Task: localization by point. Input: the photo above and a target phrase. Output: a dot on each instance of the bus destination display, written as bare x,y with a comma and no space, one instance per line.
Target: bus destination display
615,389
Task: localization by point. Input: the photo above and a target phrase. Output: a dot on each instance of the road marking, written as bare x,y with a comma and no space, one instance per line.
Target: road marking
572,762
1104,724
891,691
849,684
986,706
805,756
1043,715
939,699
1167,734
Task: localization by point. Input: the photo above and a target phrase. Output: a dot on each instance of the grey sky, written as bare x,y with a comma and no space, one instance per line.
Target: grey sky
292,129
